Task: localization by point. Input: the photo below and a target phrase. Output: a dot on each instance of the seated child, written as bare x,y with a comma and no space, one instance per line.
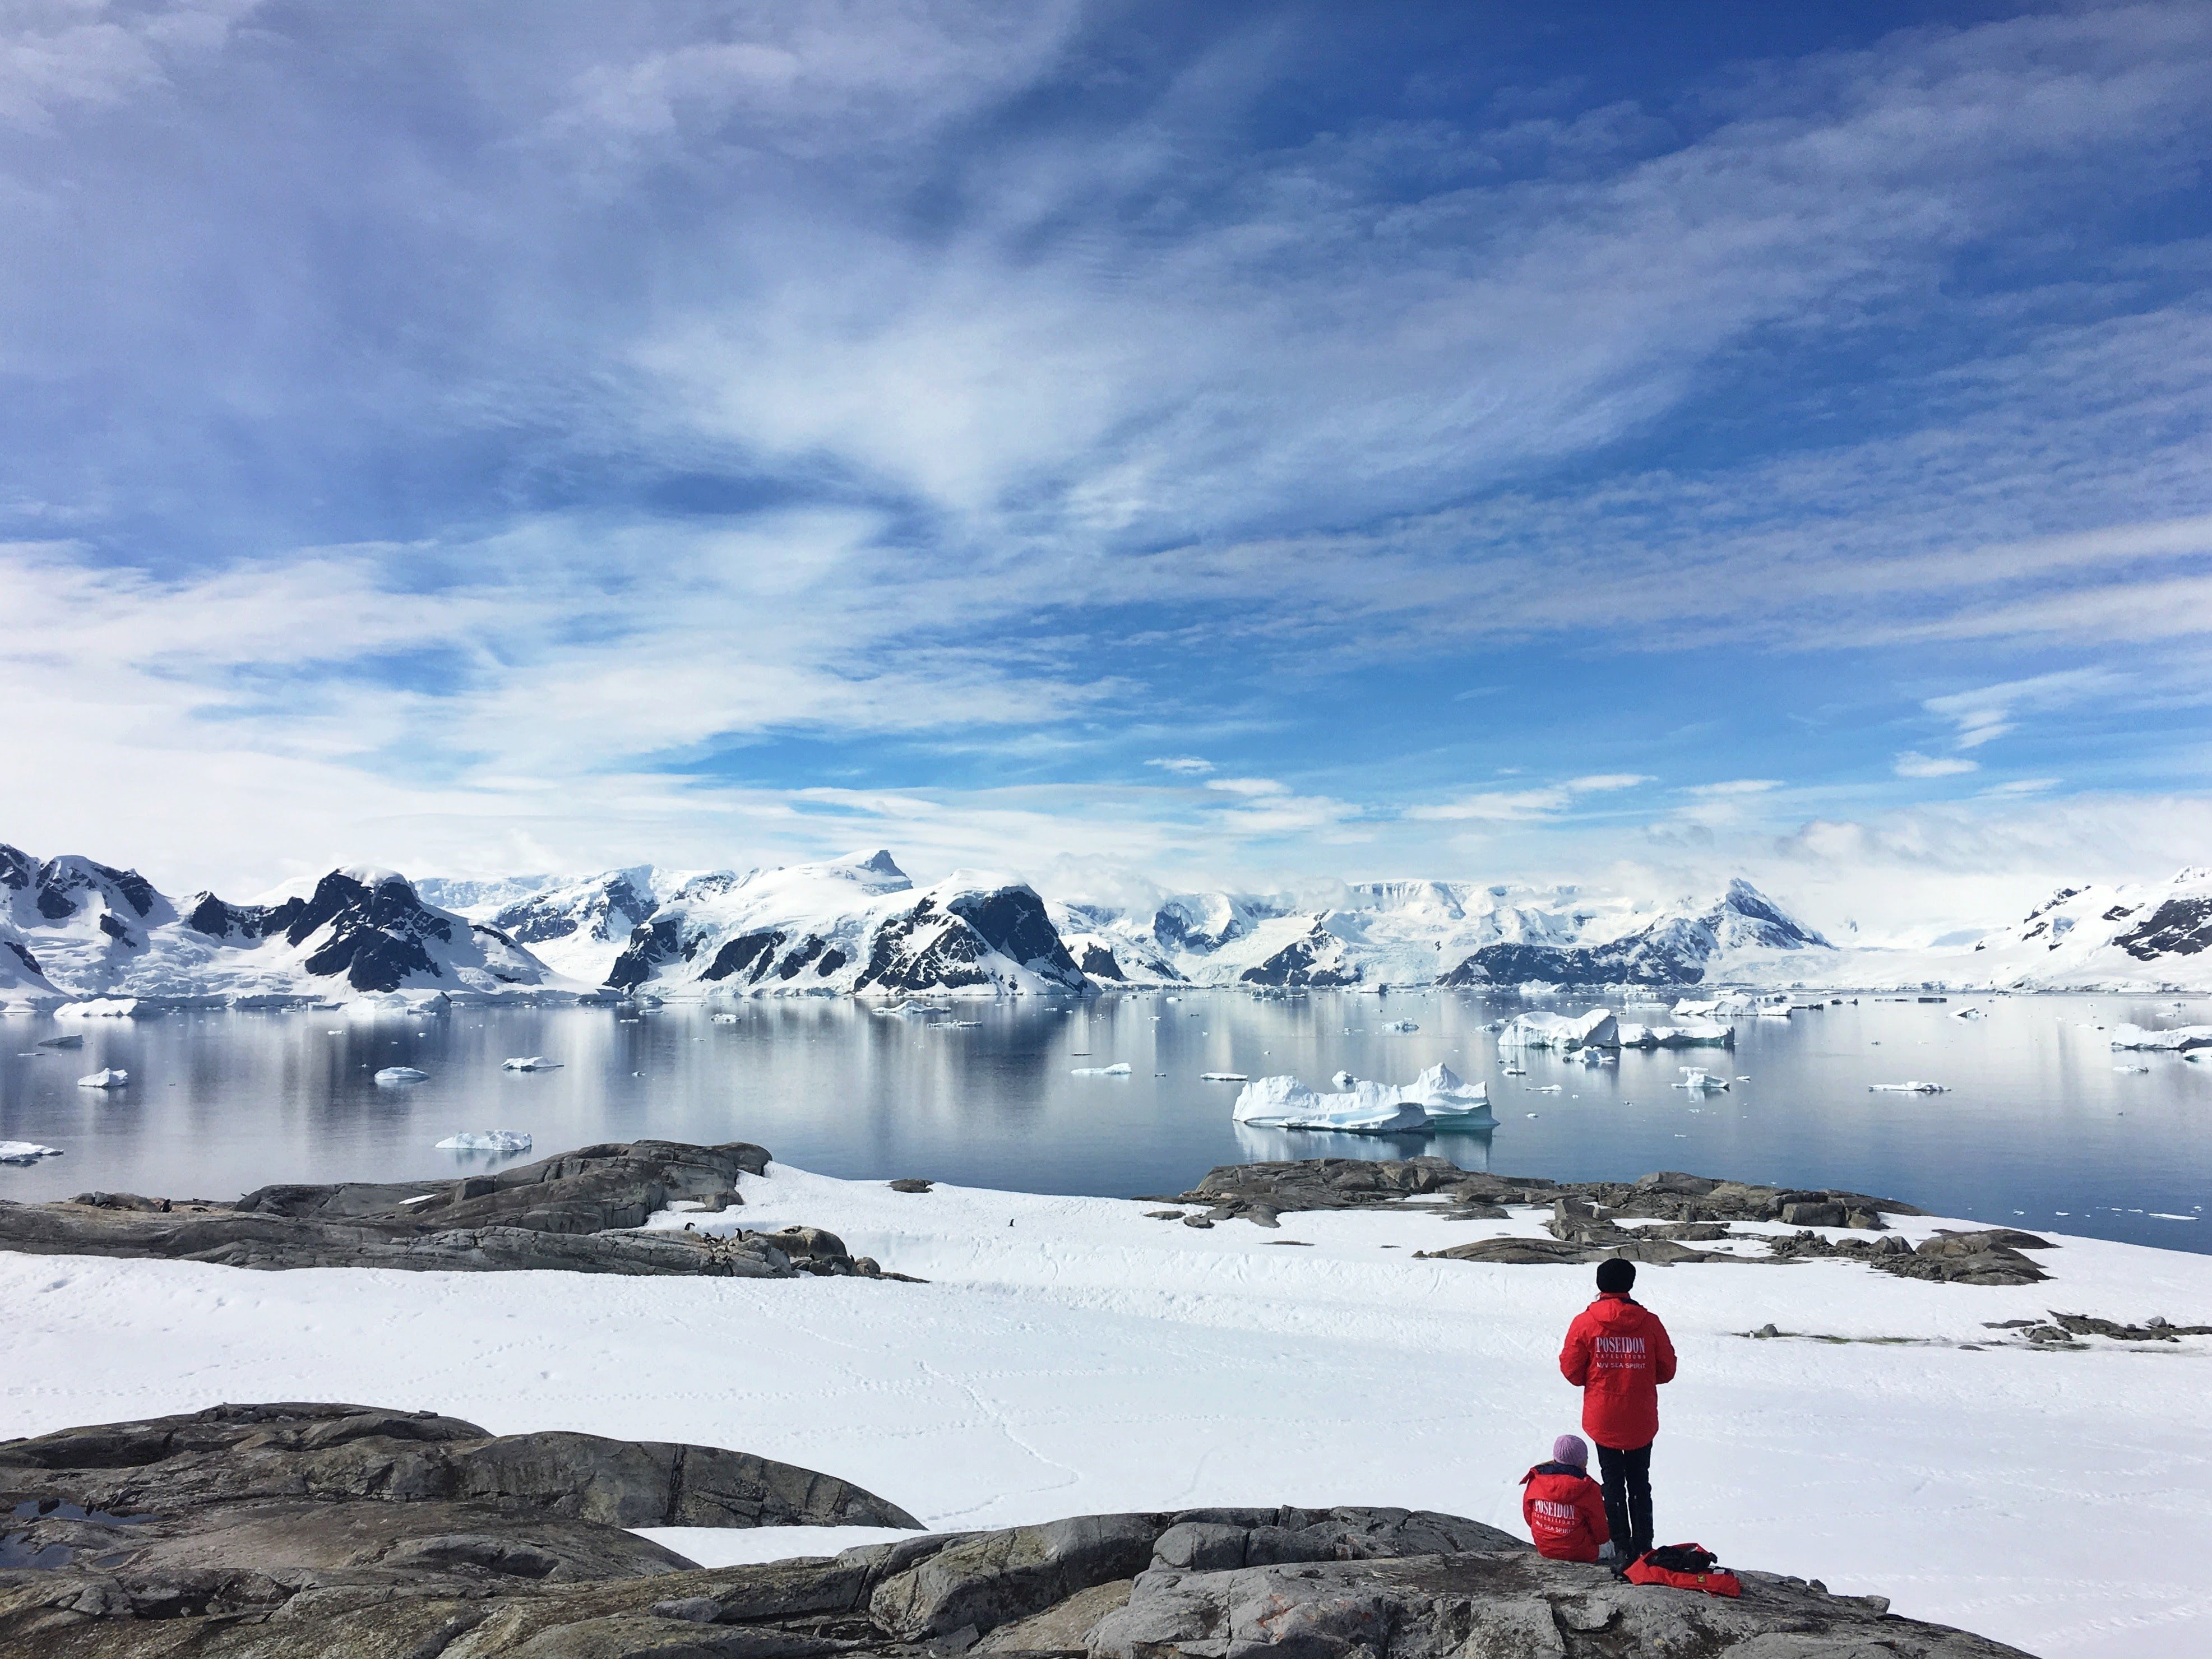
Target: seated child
1565,1508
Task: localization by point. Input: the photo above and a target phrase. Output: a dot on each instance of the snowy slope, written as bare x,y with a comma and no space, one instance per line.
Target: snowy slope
577,927
1087,1360
848,924
95,931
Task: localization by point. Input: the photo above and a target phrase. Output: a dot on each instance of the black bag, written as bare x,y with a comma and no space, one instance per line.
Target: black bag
1682,1558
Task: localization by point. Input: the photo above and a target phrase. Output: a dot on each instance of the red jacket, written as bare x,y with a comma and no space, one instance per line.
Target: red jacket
1618,1354
1564,1511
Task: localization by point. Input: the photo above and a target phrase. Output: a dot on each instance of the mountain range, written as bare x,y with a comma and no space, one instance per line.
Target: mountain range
72,928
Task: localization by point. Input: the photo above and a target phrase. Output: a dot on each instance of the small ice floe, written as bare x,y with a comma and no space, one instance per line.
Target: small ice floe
1687,1009
2131,1071
1969,1013
1402,1027
530,1063
113,1076
1369,1108
914,1010
1120,1070
723,1019
1544,1088
1698,1081
1222,1077
76,1040
392,1076
1912,1088
486,1140
26,1151
1516,1070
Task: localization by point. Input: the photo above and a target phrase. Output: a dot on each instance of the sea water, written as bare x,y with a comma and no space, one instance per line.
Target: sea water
2040,1128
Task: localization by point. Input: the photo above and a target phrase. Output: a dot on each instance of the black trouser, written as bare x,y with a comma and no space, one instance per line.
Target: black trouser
1627,1496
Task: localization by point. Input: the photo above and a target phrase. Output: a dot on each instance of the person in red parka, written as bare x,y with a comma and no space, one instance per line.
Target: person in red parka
1618,1354
1563,1507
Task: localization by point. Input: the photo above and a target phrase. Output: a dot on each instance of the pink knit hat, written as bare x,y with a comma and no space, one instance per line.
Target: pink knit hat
1569,1449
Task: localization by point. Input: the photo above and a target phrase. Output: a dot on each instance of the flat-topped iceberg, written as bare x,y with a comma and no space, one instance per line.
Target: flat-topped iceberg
61,1042
1697,1080
113,1076
486,1140
26,1151
1912,1088
1120,1069
530,1063
1367,1108
1597,1029
99,1008
391,1076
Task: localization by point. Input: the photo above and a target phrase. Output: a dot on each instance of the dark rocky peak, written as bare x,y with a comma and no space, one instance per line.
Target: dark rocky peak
2051,903
67,885
204,913
18,869
376,929
1013,921
883,865
608,907
1768,924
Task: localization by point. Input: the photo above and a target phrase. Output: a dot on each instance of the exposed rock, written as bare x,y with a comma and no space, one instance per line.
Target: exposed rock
575,1212
1982,1258
1205,1583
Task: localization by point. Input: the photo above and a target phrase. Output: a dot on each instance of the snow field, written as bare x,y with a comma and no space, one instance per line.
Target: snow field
1086,1358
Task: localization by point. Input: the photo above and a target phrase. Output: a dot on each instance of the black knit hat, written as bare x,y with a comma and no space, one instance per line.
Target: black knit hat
1615,1276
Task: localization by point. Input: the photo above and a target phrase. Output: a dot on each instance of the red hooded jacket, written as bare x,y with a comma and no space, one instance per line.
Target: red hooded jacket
1618,1354
1564,1512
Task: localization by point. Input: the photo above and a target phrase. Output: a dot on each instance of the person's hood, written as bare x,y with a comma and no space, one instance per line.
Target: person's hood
1615,1310
1555,1468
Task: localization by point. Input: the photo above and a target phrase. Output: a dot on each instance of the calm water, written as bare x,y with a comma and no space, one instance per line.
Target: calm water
2040,1129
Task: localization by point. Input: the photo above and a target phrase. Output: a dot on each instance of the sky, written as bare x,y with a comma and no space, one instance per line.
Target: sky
1124,445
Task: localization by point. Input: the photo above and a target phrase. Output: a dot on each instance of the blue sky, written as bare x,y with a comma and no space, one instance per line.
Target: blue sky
1239,443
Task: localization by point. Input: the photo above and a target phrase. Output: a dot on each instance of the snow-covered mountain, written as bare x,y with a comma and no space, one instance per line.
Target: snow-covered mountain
77,928
2145,936
1418,933
576,926
854,924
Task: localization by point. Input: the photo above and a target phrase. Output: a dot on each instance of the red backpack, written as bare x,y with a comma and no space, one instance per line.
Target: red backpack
1683,1566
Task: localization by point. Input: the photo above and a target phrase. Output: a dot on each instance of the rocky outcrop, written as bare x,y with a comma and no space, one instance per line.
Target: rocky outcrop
1377,1584
577,1211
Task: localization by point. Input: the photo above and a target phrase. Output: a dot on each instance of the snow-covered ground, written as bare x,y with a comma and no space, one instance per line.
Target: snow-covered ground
1070,1355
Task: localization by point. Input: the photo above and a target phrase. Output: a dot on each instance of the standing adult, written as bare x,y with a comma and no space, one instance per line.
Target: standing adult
1618,1354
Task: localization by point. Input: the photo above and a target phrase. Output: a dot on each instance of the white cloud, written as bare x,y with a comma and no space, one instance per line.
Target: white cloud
1912,763
1189,766
1523,805
1249,787
1734,786
1986,713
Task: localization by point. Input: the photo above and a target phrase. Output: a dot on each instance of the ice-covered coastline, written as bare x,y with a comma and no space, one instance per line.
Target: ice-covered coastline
1070,1355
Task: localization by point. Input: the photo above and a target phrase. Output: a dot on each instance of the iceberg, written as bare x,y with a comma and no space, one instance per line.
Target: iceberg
1445,1096
530,1063
1597,1029
2178,1040
1120,1070
1697,1080
391,1075
1690,1033
1913,1088
1687,1009
1221,1077
1403,1027
113,1077
74,1042
486,1140
1368,1109
99,1008
26,1151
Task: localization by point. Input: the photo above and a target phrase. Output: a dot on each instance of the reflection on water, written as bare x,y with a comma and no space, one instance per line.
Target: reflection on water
2040,1128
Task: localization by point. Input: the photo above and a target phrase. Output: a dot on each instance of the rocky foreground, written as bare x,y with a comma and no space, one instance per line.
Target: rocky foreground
342,1532
578,1211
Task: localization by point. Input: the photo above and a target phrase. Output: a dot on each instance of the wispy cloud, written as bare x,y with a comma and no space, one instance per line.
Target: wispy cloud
1912,763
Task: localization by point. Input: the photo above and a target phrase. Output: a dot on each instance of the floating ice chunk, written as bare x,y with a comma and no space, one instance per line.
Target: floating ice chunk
914,1010
530,1063
1597,1029
1343,1079
1402,1027
73,1041
1221,1077
1687,1009
2179,1039
1690,1033
113,1077
1368,1109
1912,1088
1442,1093
485,1140
1120,1070
1697,1080
724,1019
26,1151
2131,1071
1969,1013
391,1075
99,1008
1546,1089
